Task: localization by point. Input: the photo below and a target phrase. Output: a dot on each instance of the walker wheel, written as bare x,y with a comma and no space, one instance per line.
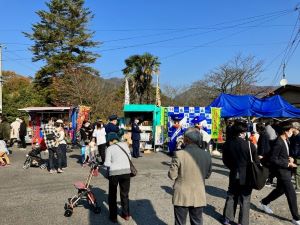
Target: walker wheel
68,212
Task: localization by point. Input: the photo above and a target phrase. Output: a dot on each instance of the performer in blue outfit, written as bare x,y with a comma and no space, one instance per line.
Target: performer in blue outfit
201,124
174,132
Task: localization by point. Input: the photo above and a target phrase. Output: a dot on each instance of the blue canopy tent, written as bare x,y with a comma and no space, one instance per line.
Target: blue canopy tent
248,105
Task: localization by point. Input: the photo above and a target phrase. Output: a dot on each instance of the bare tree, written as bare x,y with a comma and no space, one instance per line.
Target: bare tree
238,76
78,88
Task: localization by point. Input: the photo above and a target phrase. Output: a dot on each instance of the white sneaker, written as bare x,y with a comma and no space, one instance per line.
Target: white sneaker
296,222
265,208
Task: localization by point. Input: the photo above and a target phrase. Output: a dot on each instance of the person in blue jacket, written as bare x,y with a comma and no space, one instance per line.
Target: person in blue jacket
174,132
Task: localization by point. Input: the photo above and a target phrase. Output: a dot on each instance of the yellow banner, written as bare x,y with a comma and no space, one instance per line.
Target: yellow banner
215,123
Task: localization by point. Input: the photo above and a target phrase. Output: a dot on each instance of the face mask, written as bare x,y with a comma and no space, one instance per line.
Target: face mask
243,135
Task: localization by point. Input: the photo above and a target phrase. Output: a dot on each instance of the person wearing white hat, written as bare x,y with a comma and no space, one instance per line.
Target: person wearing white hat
14,132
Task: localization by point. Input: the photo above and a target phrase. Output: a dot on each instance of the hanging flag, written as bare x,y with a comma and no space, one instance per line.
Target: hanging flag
127,96
157,101
216,120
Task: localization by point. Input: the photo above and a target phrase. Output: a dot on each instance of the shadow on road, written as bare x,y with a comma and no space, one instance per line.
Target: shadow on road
76,156
215,191
211,211
142,211
165,163
167,189
222,172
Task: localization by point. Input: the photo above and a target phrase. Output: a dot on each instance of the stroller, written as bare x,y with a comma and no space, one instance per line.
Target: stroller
33,158
84,192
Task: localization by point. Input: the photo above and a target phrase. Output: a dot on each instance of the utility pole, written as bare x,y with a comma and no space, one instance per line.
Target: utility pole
1,79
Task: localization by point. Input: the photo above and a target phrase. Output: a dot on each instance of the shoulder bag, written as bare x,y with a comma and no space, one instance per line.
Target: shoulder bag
133,170
258,174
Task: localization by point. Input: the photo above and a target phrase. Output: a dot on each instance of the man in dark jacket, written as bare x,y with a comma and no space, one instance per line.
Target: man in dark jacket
295,151
236,156
112,125
283,165
23,133
135,137
4,129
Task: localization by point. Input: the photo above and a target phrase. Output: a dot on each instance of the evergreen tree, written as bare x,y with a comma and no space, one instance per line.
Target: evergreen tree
62,40
140,68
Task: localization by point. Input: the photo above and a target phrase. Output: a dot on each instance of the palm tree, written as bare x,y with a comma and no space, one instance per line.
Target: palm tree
139,69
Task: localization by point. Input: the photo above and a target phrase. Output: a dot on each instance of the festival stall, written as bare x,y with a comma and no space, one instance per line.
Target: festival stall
248,105
37,116
74,115
150,118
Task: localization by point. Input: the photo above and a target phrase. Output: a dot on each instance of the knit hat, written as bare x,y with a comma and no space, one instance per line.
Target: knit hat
193,134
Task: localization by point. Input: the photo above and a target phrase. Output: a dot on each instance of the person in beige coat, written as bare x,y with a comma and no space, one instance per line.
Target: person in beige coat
189,168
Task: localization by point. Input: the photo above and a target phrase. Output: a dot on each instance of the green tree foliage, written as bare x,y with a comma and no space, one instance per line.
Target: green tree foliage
19,92
61,39
139,69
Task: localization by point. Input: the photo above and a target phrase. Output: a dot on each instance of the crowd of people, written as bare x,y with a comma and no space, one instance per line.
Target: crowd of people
276,146
278,149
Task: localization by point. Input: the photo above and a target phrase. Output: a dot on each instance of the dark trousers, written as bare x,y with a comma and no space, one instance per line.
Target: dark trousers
237,194
59,154
124,182
195,213
101,150
136,148
51,157
62,156
284,187
23,142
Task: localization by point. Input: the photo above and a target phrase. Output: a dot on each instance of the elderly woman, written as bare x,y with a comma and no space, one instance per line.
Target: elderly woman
188,169
119,174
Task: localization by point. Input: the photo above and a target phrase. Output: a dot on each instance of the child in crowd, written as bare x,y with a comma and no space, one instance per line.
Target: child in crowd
90,151
4,160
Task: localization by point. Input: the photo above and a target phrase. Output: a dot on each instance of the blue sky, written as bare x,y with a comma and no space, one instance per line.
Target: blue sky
190,38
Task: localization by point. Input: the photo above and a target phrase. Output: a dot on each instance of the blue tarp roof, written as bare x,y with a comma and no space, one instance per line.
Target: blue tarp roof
248,105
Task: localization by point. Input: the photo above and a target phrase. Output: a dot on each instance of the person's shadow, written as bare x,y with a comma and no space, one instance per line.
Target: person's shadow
215,191
167,189
142,210
145,213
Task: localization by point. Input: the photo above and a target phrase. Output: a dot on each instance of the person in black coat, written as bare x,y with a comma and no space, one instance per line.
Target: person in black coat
295,151
283,165
135,137
236,156
23,133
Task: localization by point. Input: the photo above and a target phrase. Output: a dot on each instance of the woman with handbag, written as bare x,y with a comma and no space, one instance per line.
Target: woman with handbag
237,157
117,160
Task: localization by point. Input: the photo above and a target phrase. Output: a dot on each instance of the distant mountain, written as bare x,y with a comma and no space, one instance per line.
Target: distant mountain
114,81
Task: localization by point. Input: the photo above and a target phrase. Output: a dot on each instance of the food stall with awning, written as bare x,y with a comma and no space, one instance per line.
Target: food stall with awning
149,116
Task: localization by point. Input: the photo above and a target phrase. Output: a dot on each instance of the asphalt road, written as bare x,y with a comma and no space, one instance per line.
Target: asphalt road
35,197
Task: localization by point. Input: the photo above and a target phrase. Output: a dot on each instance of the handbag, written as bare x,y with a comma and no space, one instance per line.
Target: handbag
258,174
133,170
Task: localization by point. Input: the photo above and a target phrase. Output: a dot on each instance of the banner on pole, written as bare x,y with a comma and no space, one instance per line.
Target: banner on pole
216,120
